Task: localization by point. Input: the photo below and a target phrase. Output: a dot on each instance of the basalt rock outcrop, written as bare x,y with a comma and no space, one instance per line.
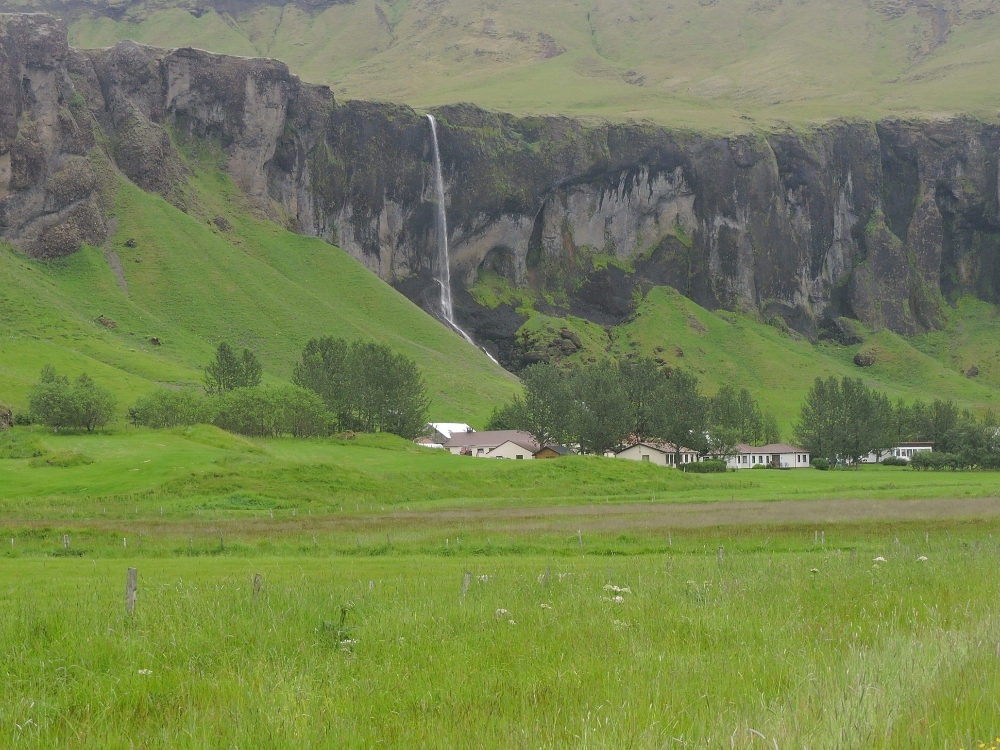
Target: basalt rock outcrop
878,222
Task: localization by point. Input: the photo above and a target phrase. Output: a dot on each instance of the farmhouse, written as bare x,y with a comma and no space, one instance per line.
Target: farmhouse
657,452
493,444
442,432
903,450
775,455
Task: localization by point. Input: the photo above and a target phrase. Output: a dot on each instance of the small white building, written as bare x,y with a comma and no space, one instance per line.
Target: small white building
776,455
903,450
442,432
517,448
481,444
657,452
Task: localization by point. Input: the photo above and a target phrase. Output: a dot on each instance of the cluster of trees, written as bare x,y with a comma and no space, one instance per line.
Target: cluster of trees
844,420
58,403
602,406
339,386
366,386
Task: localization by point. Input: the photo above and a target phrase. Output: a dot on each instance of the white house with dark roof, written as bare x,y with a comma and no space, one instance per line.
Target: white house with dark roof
775,455
658,452
903,450
493,444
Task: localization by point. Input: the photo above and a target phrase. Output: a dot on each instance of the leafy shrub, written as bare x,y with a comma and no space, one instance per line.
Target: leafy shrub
894,461
269,412
711,466
761,467
57,403
165,408
923,460
820,463
22,419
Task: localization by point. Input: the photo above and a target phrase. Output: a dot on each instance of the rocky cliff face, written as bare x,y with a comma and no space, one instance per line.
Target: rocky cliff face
880,222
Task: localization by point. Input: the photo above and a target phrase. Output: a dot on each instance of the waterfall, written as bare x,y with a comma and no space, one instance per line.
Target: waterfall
441,225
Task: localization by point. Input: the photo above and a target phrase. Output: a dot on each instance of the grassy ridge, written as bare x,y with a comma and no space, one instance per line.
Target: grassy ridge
689,62
172,474
192,285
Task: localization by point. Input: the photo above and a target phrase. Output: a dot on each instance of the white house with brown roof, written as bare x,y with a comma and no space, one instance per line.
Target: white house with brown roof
493,444
775,455
658,452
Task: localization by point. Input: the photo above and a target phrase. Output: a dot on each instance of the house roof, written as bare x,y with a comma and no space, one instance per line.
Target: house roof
657,445
450,428
917,444
491,439
771,448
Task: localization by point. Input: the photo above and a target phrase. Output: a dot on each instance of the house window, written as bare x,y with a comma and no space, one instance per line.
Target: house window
518,456
481,451
645,458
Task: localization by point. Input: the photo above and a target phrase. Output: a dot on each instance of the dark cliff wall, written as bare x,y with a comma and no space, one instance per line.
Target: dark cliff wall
882,222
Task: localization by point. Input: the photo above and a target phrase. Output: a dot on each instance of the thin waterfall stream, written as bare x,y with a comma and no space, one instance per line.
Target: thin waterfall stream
441,226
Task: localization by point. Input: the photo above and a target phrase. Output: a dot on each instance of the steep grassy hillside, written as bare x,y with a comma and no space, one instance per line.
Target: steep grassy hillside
191,285
692,62
778,366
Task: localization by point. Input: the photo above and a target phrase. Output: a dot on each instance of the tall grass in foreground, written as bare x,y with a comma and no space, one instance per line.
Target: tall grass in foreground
802,649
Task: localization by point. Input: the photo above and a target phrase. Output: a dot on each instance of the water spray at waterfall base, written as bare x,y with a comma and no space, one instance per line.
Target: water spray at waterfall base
441,226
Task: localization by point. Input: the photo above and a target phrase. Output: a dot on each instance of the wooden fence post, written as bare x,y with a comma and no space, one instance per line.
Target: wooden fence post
131,585
579,538
65,541
258,580
466,580
722,554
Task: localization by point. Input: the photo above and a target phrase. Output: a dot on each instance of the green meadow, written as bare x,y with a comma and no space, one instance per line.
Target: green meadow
412,598
869,640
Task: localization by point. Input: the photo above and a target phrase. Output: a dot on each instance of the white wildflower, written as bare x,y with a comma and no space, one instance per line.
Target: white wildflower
501,613
879,559
922,558
814,570
618,599
617,589
482,579
545,606
146,671
512,622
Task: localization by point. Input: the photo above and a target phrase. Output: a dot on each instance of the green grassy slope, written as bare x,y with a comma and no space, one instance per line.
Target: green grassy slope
688,62
206,473
192,285
779,367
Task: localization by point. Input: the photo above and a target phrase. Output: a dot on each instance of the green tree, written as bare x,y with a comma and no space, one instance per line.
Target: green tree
229,371
548,405
683,417
771,432
93,404
604,413
324,369
643,385
819,426
50,401
510,416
